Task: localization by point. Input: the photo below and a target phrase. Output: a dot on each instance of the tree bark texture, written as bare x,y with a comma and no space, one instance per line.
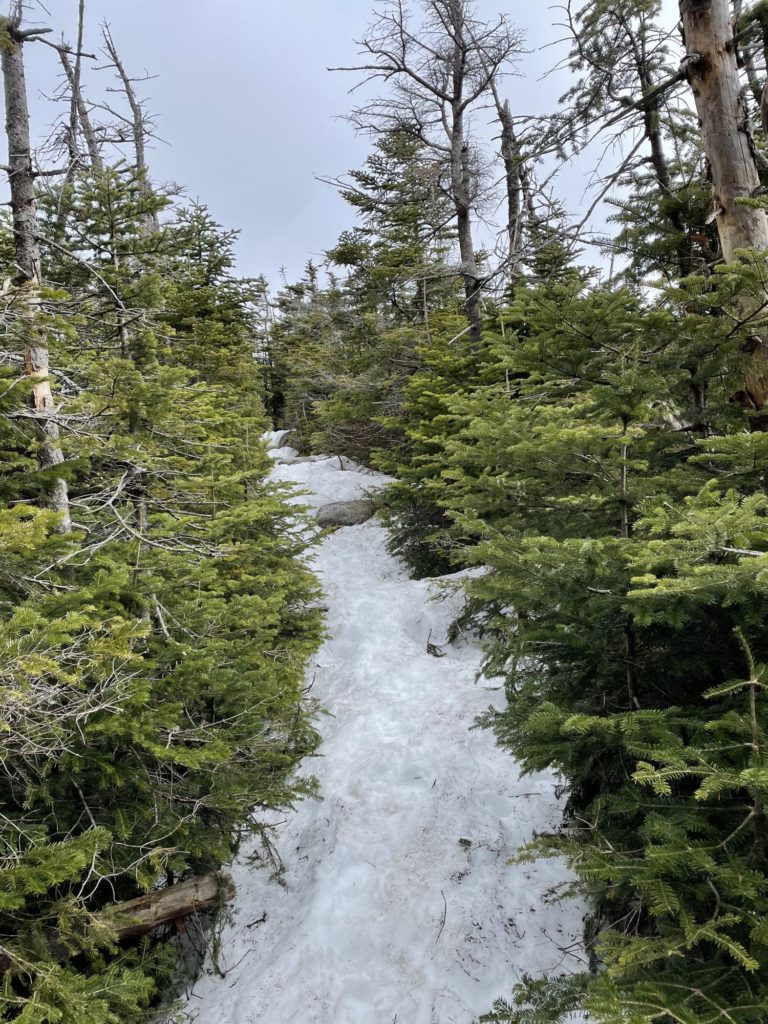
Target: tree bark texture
461,174
461,179
144,914
21,178
80,118
714,78
514,176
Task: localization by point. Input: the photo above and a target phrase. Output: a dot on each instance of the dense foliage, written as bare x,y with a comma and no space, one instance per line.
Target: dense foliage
599,447
153,658
599,453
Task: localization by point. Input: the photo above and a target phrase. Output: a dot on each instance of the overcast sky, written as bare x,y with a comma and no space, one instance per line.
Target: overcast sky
250,115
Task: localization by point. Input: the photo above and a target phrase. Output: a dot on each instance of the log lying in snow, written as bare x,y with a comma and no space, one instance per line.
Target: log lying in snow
145,913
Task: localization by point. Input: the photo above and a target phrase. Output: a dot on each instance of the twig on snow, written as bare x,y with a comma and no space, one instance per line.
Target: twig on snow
445,915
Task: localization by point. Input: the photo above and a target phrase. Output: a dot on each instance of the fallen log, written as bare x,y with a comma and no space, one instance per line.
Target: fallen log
139,916
145,913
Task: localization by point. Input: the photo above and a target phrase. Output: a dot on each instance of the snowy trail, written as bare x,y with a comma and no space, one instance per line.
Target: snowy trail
399,903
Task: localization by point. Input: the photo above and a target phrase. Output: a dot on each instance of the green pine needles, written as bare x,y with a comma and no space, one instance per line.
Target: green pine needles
594,454
152,660
616,492
596,451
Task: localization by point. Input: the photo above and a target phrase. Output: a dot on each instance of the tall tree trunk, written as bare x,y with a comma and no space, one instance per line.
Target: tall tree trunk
473,284
713,74
514,175
714,78
461,170
28,277
80,119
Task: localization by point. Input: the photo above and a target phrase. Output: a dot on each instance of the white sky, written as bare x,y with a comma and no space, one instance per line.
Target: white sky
250,116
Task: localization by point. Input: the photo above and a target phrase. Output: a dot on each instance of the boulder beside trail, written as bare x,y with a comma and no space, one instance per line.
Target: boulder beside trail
346,513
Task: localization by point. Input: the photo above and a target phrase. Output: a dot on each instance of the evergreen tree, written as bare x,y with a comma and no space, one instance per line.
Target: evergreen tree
345,350
620,512
397,256
169,629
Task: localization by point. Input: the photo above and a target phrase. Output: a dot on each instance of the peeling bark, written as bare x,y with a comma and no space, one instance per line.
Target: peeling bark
146,913
714,78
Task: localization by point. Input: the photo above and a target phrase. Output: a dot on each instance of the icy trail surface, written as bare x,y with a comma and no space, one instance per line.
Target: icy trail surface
398,905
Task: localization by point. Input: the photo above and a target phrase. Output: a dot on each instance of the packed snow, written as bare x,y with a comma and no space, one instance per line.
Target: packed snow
397,903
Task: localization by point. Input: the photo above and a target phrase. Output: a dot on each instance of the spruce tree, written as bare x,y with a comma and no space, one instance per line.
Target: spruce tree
152,690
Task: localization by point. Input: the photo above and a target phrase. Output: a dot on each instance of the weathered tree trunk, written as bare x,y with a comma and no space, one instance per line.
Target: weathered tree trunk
514,176
713,74
714,78
144,914
461,175
79,117
21,178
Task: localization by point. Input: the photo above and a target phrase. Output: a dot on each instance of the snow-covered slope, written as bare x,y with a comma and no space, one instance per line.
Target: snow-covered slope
398,905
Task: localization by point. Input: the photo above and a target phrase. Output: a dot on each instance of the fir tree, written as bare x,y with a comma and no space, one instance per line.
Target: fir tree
169,629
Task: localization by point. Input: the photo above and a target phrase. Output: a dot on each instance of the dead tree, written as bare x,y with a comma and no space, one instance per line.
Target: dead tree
79,116
138,121
439,69
517,174
516,182
714,77
164,906
28,280
145,914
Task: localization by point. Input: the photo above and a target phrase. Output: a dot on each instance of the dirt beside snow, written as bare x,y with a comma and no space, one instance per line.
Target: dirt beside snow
398,902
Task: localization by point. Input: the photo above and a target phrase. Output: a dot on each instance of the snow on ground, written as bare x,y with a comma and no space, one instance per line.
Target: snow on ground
399,905
326,479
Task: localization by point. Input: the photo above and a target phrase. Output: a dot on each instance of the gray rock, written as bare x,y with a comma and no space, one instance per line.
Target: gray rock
276,438
346,513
